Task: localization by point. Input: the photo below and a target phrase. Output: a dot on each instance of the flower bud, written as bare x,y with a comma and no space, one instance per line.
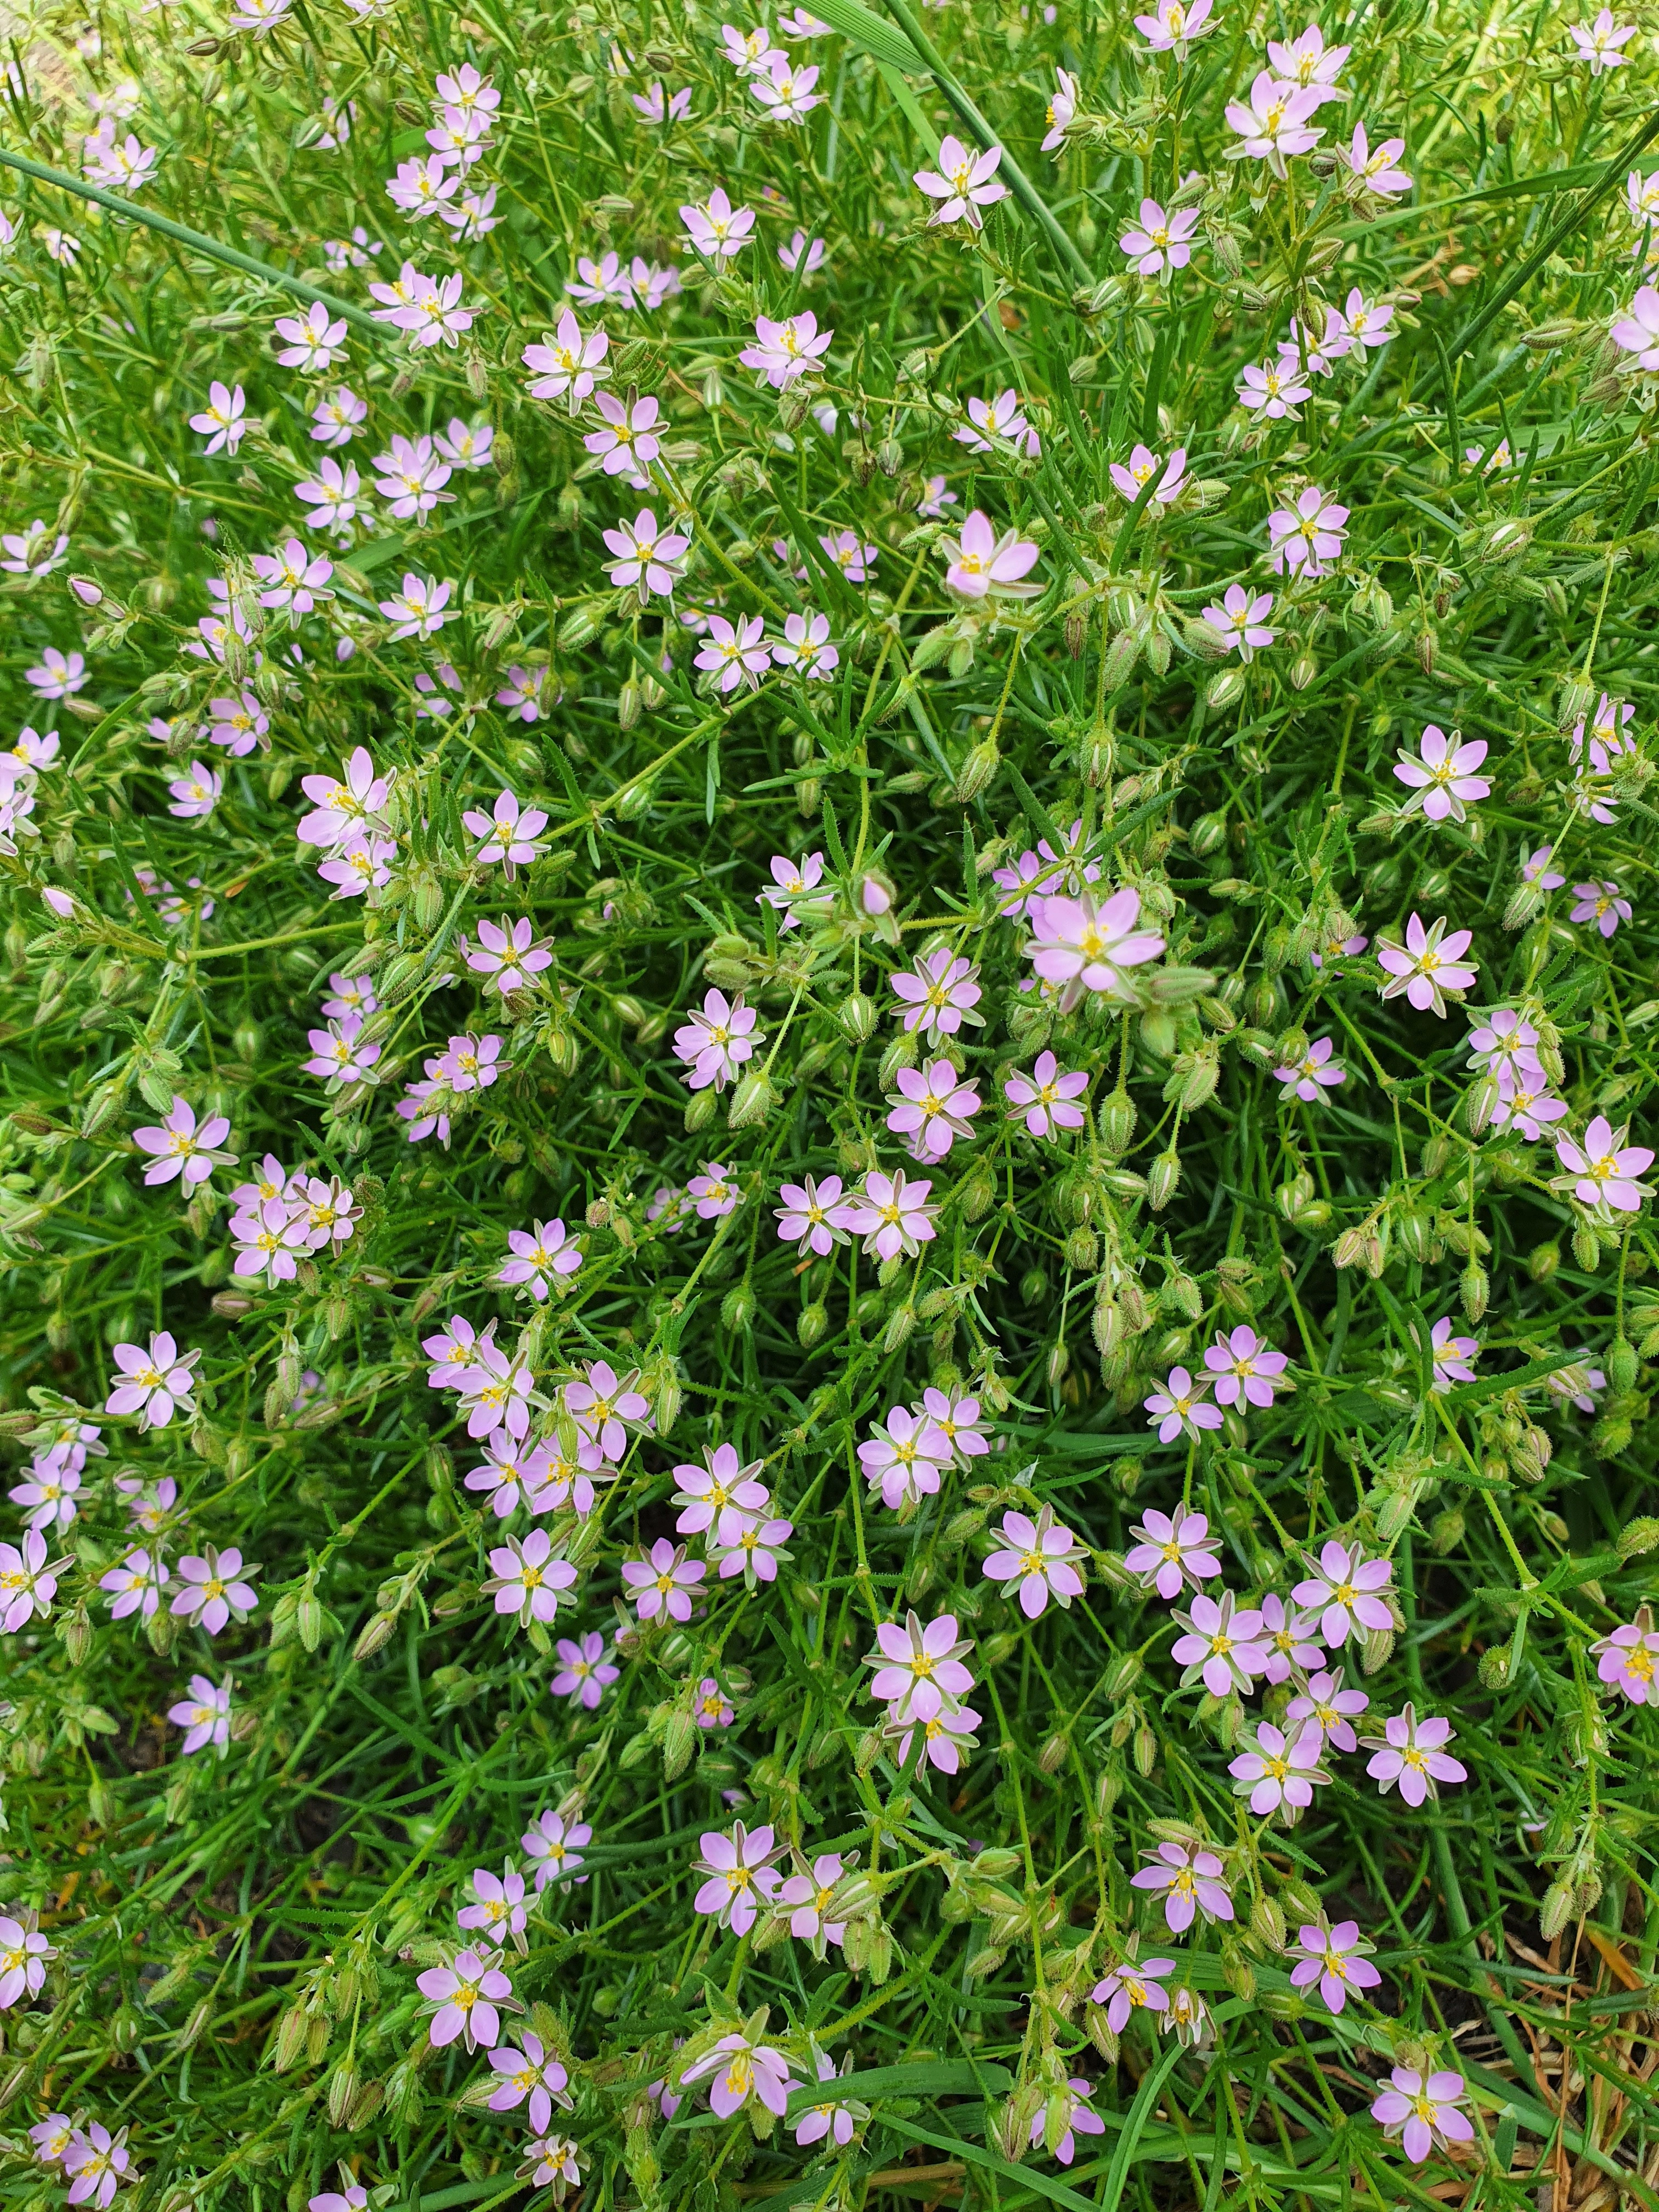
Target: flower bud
1163,1178
1224,687
976,771
738,1308
814,1325
857,1017
1116,1118
751,1101
1621,1365
1474,1287
700,1110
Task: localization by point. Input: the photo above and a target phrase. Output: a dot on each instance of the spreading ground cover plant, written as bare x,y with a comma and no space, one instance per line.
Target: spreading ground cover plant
829,980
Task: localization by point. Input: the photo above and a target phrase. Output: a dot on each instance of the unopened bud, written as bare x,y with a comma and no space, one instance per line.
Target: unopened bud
1161,1179
976,771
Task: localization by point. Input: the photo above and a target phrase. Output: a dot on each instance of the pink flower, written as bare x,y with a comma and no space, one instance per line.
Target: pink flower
740,1875
891,1214
1045,1097
1081,2119
336,420
964,183
1085,947
1277,1776
1365,325
1313,1074
23,1955
1428,965
1144,466
508,833
904,1457
527,1579
1344,1588
998,421
28,1582
499,1906
568,362
466,1996
1628,1658
1375,172
314,340
1444,776
662,1582
1452,1358
1638,331
810,1216
98,2162
661,107
957,1421
722,1489
511,958
1173,1550
222,422
412,478
1426,2111
1603,1170
786,90
583,1677
786,351
1040,1558
1411,1753
979,564
628,442
361,864
946,1739
937,995
1275,124
533,2073
606,1405
343,806
151,1384
59,676
1308,61
268,1239
1309,535
738,651
1272,390
215,1591
195,796
743,1544
713,1708
918,1670
52,2137
1180,1408
419,610
647,558
338,1055
742,2070
851,555
935,499
716,1040
49,1496
1244,1368
1159,245
513,1468
1220,1647
539,1255
553,1847
932,1110
1333,1960
717,229
1598,43
1505,1043
333,497
1326,1708
1062,108
1287,1638
1045,871
1535,869
1240,621
810,1898
1600,902
180,1149
791,881
714,1191
1134,1986
1192,1881
554,2160
806,647
1174,26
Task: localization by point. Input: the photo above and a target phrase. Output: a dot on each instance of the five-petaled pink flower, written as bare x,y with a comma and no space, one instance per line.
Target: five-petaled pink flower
1333,1961
1288,1639
568,362
1603,1170
1308,535
179,1147
538,1256
1174,26
1241,621
1159,243
736,653
964,183
1275,124
648,558
1413,1753
1344,1588
786,351
28,1582
626,442
1244,1368
1174,1549
1167,478
533,2073
511,958
1629,1657
1181,1408
1598,43
714,1191
1041,1557
1136,1985
553,1847
606,1405
1453,1358
24,1951
1315,1073
979,564
1081,2119
662,1582
312,341
1443,779
810,1217
1599,903
527,1579
904,1457
937,995
740,1875
1428,965
215,1589
716,1039
1192,1881
508,833
1085,945
918,1670
742,2070
933,1108
1324,1707
584,1673
1045,1098
892,1215
1425,2114
152,1383
1375,172
1278,1775
467,1997
1221,1648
